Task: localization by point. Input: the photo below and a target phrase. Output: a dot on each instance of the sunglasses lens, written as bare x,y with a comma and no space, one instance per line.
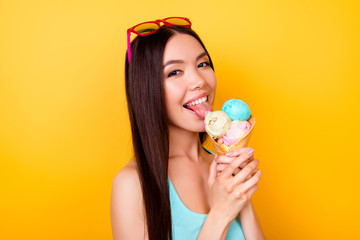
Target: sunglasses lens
146,28
178,21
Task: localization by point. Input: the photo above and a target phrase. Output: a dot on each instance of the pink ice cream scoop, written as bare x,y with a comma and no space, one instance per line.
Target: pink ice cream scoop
237,131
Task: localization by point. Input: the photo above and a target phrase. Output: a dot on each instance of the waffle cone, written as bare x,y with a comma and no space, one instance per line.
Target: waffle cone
221,149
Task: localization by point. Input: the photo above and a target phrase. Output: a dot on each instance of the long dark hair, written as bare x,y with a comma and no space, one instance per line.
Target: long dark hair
149,126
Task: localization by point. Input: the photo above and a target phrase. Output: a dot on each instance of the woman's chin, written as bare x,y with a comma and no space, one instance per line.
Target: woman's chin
200,128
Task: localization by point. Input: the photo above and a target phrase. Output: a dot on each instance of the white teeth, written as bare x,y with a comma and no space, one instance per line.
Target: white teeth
197,101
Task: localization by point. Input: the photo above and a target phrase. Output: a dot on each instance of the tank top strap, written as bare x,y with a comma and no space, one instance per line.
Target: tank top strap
208,151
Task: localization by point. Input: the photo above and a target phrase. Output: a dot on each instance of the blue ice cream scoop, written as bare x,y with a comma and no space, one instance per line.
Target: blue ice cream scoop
236,109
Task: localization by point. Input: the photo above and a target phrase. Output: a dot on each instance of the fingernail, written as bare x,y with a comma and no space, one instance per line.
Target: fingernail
229,153
250,152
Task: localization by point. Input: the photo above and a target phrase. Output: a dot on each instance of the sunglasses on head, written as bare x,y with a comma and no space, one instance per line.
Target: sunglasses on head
151,27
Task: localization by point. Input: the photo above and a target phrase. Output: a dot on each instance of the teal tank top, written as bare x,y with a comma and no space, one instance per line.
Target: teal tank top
187,224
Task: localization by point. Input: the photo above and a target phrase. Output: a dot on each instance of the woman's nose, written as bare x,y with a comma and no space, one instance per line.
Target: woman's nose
196,80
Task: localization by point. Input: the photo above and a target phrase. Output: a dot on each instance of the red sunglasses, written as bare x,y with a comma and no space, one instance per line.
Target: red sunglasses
151,27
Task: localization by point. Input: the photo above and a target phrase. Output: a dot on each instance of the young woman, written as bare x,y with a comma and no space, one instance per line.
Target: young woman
173,188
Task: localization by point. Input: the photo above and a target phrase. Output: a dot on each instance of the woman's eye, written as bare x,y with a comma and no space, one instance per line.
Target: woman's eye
204,64
173,73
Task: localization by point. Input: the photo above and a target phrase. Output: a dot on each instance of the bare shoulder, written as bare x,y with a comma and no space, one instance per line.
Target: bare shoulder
127,207
127,174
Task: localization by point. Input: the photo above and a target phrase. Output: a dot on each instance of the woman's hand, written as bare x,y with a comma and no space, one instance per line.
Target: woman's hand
233,184
224,160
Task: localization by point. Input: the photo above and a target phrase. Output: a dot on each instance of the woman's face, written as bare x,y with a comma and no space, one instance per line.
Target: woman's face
189,83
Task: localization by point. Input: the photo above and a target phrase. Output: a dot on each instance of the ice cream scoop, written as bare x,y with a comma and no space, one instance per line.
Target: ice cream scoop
236,109
237,130
217,123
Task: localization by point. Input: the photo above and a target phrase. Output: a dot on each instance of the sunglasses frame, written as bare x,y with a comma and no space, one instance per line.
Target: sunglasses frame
157,22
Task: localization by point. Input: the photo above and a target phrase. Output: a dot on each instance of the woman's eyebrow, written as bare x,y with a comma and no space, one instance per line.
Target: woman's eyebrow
172,62
202,55
181,61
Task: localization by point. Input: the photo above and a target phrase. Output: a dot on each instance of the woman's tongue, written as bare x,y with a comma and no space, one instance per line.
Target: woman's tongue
201,109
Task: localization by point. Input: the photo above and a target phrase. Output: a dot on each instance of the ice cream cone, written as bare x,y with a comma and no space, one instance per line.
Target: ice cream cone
221,149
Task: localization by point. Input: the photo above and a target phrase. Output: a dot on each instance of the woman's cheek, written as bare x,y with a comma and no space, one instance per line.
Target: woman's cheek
212,83
173,98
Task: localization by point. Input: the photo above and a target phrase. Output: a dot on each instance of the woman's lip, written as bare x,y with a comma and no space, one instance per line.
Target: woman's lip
197,97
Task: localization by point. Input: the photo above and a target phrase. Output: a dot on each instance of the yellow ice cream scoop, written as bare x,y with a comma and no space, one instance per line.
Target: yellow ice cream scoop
217,123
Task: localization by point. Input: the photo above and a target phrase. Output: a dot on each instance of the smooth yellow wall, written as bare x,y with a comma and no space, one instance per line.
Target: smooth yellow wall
64,131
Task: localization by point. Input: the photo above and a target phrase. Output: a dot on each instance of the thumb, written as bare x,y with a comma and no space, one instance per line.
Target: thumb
212,174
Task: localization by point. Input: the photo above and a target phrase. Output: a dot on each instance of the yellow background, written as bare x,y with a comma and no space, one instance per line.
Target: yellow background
64,130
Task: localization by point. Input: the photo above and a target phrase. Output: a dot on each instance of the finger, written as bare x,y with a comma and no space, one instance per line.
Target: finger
252,174
212,173
252,181
244,173
238,152
245,163
251,191
221,167
229,159
234,165
244,195
224,159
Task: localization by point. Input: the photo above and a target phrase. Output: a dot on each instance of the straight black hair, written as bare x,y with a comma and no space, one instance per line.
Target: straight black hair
149,125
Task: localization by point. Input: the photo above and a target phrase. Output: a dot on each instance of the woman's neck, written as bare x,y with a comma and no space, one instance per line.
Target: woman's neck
183,143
